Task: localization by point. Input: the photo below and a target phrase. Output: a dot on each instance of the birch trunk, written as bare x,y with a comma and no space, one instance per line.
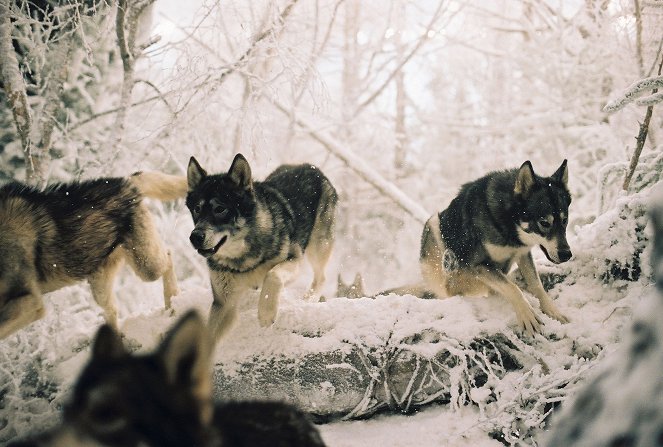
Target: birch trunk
14,87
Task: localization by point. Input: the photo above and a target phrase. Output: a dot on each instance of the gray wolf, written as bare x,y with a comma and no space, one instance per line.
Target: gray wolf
492,224
255,234
164,399
77,231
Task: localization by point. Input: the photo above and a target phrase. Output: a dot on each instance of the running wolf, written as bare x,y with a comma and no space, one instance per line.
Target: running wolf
492,223
70,232
164,399
255,234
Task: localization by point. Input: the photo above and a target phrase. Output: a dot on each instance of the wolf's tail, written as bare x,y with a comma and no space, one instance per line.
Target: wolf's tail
160,186
417,290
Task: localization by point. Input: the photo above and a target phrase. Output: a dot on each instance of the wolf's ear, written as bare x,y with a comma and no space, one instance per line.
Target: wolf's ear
562,174
194,173
186,355
107,345
240,172
525,179
359,283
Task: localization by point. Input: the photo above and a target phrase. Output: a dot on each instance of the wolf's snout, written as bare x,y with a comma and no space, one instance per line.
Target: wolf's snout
564,254
197,238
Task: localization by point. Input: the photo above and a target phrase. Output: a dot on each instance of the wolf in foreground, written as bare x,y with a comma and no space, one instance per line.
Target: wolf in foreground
164,399
70,232
492,224
255,234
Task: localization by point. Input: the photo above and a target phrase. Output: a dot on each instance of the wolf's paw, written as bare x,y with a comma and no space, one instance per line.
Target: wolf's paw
266,321
552,312
312,296
528,321
266,317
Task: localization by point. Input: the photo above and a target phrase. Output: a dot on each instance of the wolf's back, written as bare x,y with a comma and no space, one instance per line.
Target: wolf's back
160,186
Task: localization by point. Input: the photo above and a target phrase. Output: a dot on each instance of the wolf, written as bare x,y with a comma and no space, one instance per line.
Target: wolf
164,399
492,224
255,234
77,231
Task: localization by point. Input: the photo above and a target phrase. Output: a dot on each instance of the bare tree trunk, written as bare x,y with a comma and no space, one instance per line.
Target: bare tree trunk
350,75
400,148
59,57
14,87
127,19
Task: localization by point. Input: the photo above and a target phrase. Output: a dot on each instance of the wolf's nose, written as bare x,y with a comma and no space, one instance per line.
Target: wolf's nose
564,255
197,238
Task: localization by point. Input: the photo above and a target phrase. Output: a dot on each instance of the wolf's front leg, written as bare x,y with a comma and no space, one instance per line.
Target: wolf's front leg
223,312
533,283
270,294
500,284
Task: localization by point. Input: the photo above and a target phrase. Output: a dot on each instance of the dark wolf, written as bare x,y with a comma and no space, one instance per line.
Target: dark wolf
492,224
164,399
77,231
255,234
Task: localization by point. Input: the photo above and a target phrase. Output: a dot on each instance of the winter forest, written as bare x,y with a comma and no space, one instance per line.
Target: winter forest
399,103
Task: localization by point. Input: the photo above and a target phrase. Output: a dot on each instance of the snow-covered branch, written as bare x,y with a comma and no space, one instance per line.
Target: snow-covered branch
634,91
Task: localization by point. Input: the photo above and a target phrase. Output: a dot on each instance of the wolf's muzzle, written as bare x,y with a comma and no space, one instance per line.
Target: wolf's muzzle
197,238
564,254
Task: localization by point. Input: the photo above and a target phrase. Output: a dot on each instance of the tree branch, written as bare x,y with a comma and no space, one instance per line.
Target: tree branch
360,167
641,138
399,67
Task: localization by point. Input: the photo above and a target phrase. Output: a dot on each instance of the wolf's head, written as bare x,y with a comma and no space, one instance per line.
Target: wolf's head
220,205
543,210
353,290
160,399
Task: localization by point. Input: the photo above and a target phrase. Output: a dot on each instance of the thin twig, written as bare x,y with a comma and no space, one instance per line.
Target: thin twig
641,138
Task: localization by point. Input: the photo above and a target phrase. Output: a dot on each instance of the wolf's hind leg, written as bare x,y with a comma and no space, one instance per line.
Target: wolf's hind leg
101,284
148,257
321,242
318,254
20,312
270,294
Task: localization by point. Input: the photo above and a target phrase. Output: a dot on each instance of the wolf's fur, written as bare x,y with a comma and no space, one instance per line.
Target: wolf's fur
164,399
75,231
254,234
492,224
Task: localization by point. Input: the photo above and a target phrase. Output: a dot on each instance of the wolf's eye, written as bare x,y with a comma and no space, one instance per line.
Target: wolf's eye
220,212
198,208
544,223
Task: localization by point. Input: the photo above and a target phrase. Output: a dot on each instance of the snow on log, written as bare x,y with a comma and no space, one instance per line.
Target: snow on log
351,358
